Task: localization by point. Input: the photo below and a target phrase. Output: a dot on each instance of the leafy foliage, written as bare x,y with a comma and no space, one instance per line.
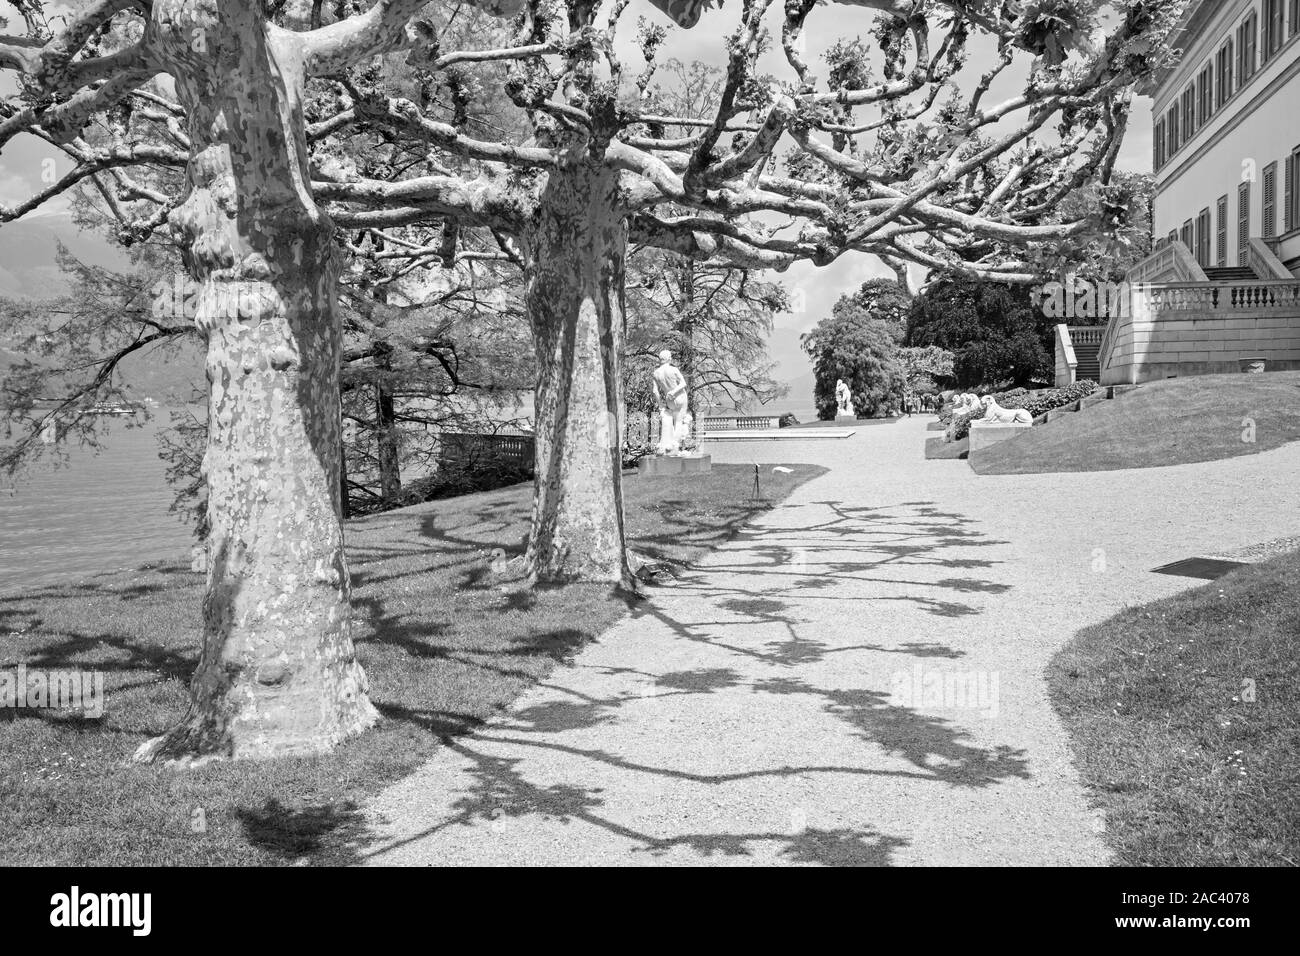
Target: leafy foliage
854,346
714,318
996,337
927,368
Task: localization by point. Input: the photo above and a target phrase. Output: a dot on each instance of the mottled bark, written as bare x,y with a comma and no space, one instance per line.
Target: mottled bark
575,249
277,673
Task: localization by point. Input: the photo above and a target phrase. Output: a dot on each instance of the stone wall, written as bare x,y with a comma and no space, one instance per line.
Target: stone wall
1146,348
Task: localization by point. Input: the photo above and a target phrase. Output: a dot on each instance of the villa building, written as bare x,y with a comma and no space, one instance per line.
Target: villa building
1220,291
1227,133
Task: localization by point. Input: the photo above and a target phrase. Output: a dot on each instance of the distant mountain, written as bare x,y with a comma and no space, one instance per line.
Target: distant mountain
167,373
801,389
27,268
28,271
27,251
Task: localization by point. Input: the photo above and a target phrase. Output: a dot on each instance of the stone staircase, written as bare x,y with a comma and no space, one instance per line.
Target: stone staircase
1089,366
1230,274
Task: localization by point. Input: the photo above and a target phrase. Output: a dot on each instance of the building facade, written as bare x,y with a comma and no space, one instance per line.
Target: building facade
1227,133
1220,293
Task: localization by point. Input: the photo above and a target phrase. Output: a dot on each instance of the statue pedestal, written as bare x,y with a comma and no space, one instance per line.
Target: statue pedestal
984,434
656,466
845,417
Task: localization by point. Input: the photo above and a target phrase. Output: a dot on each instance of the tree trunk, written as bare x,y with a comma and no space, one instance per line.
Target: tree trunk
386,434
686,329
277,672
576,248
345,500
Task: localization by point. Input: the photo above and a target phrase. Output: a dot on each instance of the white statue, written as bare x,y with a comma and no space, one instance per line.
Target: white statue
966,402
671,395
843,400
993,412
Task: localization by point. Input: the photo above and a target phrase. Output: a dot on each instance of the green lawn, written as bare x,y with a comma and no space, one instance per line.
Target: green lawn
1170,422
443,645
1189,770
937,448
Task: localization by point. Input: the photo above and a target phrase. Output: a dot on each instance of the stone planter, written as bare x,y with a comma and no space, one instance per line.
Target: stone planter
986,434
1251,365
655,466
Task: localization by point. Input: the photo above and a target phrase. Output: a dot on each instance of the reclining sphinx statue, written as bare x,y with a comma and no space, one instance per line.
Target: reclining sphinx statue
993,412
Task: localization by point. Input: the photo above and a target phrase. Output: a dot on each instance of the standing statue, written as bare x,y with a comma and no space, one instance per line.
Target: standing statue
843,401
671,395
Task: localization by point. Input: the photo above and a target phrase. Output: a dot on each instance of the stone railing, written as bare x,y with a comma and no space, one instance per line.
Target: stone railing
1086,334
1172,262
1263,261
1198,327
740,422
471,449
1157,299
1066,363
1107,347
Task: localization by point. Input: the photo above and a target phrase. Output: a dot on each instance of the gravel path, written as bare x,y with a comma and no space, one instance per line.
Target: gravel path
762,710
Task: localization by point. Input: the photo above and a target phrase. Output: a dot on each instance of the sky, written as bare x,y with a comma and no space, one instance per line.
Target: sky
24,160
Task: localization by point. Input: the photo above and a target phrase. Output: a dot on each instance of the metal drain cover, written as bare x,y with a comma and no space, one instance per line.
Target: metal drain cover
1206,568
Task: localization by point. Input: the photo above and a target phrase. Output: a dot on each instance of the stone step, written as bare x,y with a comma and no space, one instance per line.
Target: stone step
1229,273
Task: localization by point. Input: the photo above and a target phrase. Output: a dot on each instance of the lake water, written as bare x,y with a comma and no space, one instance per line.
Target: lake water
108,511
97,513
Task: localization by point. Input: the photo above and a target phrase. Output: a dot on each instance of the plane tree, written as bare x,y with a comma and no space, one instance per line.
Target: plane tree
886,154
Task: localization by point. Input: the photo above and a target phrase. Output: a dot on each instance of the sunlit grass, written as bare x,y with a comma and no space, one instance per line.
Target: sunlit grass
1170,422
1189,769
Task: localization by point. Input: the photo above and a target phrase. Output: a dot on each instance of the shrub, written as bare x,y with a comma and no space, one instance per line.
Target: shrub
787,420
960,426
1040,402
456,478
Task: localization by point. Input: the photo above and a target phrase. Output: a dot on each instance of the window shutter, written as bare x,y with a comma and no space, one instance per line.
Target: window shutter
1289,194
1228,74
1243,221
1269,225
1241,54
1252,38
1221,239
1274,27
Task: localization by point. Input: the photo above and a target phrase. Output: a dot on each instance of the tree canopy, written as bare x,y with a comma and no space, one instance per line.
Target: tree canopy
995,333
855,346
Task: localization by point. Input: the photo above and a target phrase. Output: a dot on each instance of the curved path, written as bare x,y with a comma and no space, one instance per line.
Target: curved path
785,703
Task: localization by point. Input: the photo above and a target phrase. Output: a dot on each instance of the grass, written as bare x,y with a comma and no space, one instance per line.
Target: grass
936,448
1188,769
1170,422
444,648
